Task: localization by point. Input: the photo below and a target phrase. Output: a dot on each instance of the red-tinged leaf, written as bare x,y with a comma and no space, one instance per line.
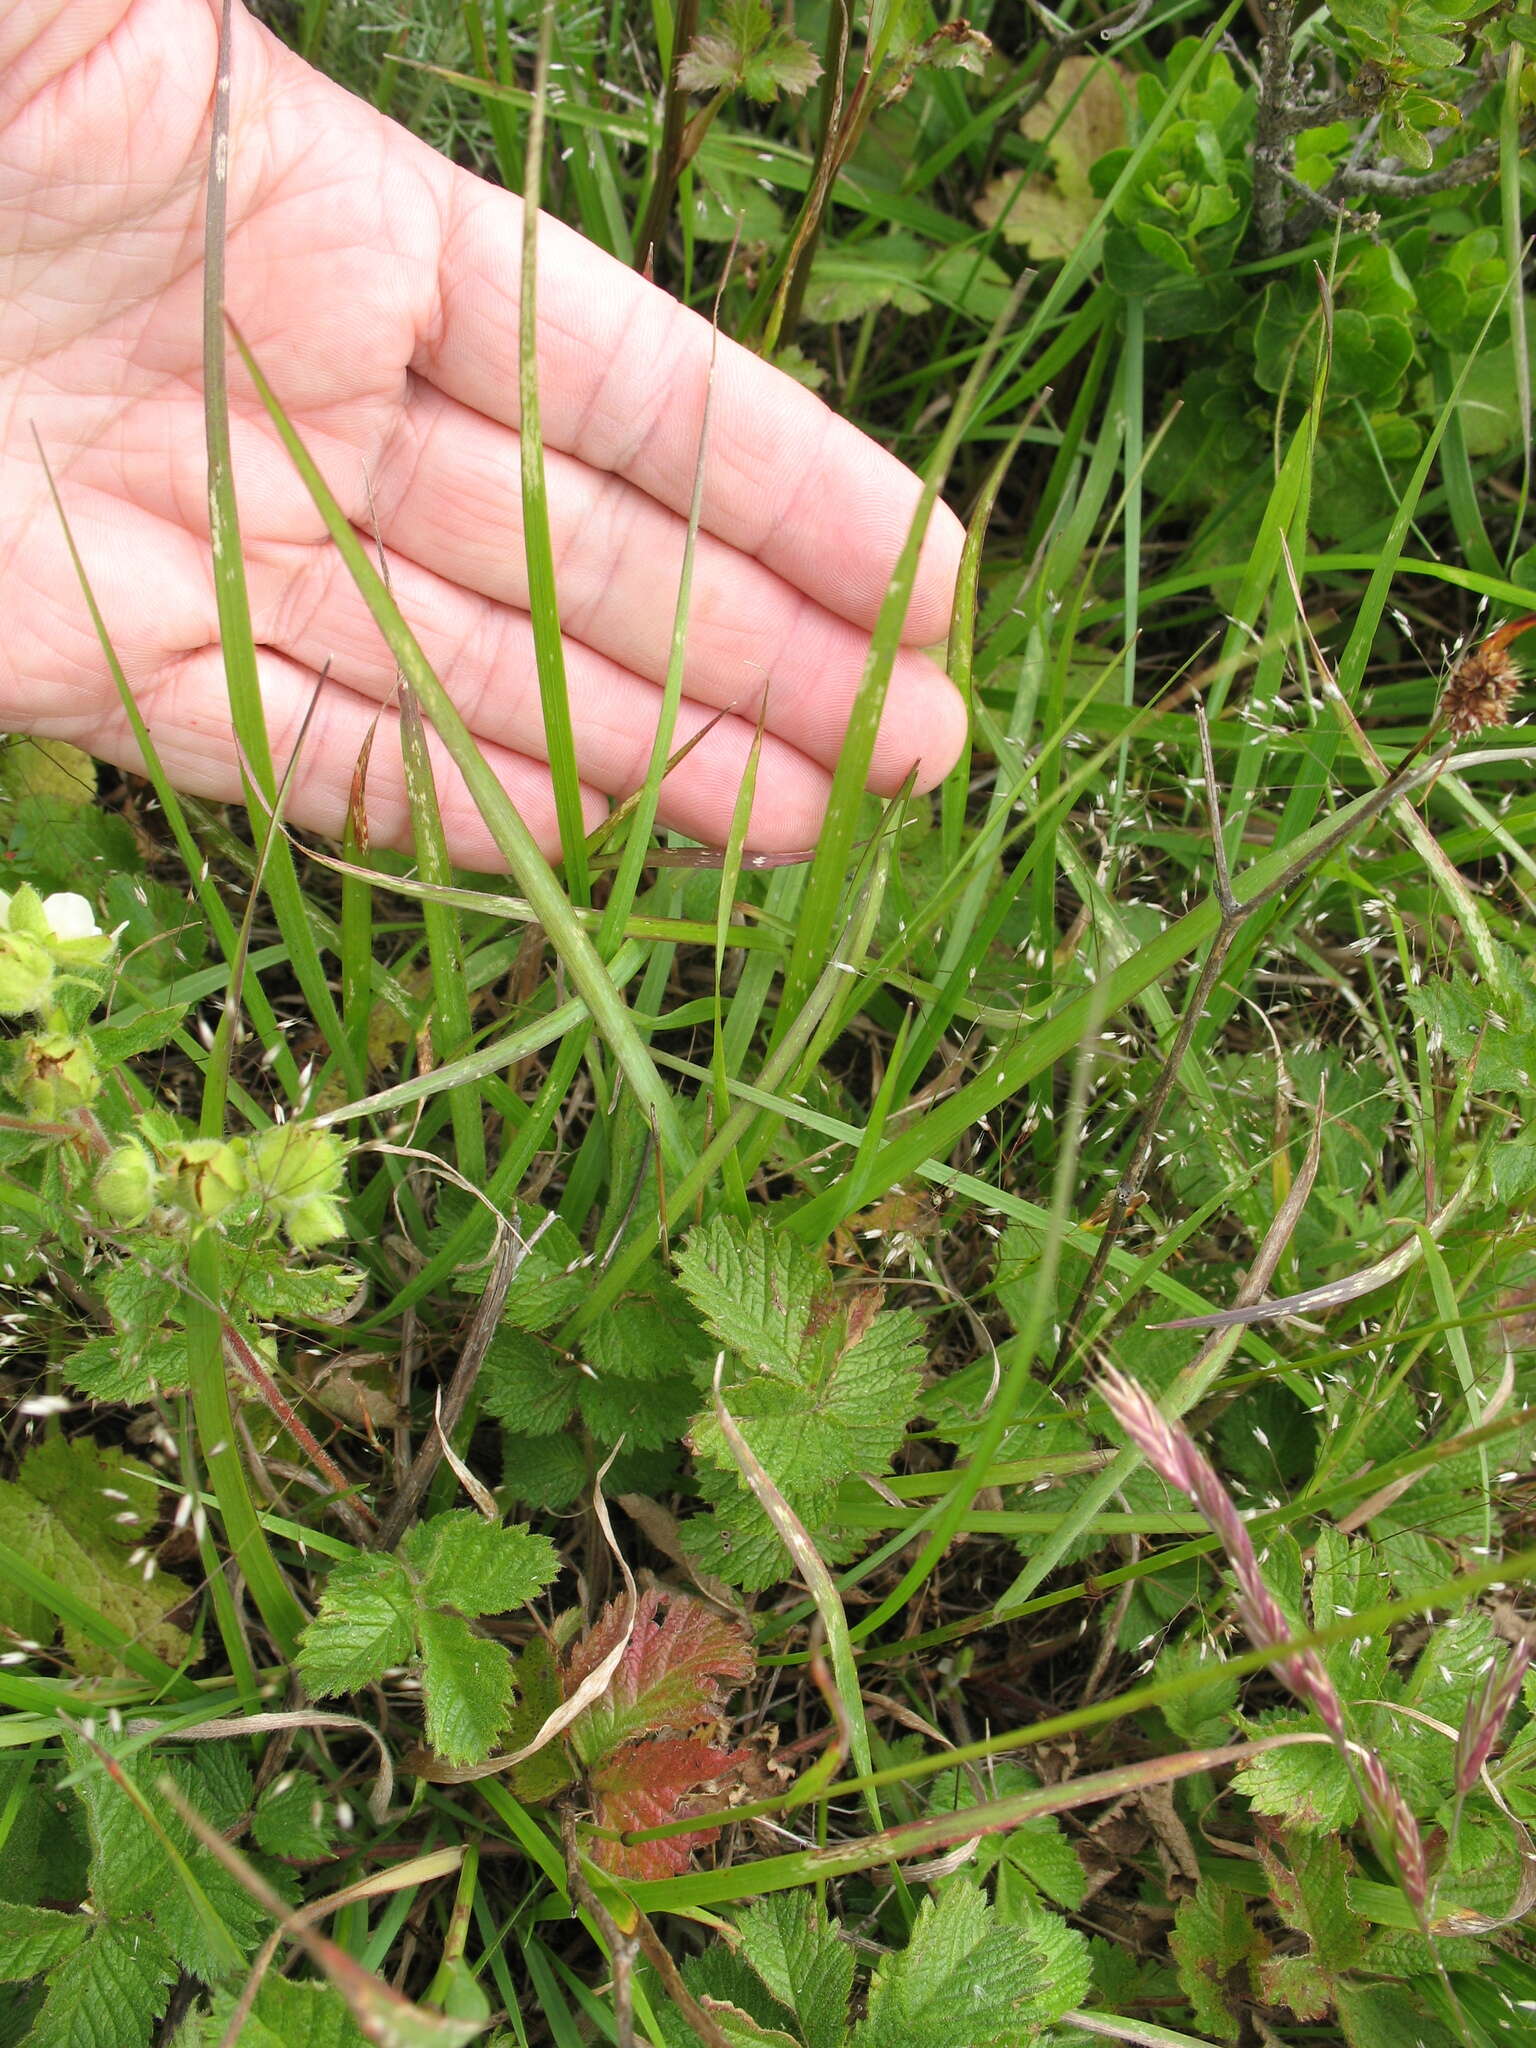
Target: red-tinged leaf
681,1662
646,1784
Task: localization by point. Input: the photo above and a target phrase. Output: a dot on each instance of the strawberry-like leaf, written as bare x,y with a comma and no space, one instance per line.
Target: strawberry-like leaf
646,1784
651,1743
680,1663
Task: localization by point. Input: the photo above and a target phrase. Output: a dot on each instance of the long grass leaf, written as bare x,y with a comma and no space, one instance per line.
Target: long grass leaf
513,839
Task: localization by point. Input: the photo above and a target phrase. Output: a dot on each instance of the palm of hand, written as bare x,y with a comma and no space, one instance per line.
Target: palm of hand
378,287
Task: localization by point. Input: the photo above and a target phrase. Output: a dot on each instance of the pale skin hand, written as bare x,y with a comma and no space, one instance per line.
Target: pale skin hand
378,287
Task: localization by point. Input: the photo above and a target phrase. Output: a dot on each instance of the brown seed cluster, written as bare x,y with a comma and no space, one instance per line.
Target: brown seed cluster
1484,685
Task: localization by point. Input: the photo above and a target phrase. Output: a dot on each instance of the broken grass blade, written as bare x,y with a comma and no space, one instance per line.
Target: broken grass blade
1338,1293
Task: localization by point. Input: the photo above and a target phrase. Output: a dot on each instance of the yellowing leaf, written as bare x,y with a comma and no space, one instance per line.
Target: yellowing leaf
1035,215
48,768
76,1511
1080,119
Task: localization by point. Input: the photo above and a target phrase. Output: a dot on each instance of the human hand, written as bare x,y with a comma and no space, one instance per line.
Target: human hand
377,285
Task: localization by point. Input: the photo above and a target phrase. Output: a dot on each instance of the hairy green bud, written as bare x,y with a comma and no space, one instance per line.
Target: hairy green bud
55,1073
299,1170
205,1175
26,974
127,1185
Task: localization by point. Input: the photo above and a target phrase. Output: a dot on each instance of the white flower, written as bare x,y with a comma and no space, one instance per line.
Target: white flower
63,923
70,916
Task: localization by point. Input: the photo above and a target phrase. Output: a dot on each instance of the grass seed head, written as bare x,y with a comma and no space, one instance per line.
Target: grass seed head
1485,683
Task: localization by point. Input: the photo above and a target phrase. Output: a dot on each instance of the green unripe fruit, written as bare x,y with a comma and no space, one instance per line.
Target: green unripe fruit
26,974
127,1185
204,1176
299,1170
55,1073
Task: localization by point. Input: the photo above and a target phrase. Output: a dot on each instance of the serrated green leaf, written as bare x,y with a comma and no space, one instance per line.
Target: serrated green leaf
365,1626
272,1285
1447,1672
1202,1716
144,1870
109,1992
786,65
963,1981
651,1334
1310,1885
285,2015
744,47
788,1940
648,1415
467,1679
737,1542
144,1297
544,1471
107,1370
740,2030
551,1280
755,1290
32,1940
43,1854
114,1043
1212,1937
479,1567
849,1414
719,1977
526,1384
1387,2015
1306,1783
295,1817
1032,1859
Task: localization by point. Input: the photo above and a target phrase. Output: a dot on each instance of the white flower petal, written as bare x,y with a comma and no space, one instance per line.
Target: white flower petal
70,916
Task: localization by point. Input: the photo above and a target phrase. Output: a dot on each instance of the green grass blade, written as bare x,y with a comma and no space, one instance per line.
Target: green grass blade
543,601
513,839
214,1414
452,1031
237,640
